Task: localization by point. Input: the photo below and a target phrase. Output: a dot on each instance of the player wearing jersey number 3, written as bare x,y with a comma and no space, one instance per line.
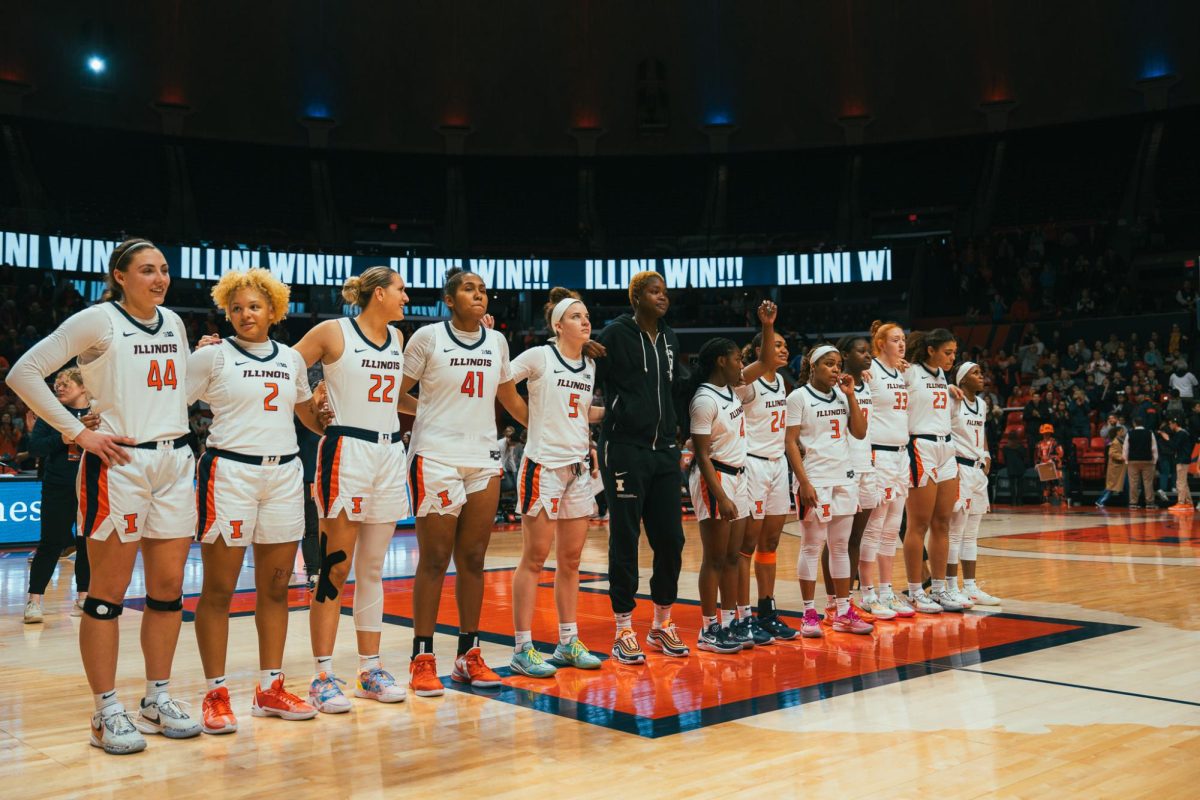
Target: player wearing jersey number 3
134,483
249,487
555,488
454,471
359,485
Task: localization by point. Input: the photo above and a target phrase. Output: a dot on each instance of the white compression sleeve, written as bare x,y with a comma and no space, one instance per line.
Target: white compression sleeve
891,528
971,538
868,548
958,521
815,534
839,546
369,552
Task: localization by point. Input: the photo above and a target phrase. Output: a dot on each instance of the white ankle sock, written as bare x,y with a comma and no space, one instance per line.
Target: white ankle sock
708,621
267,676
939,586
914,589
810,604
624,621
744,612
366,663
323,664
157,689
885,590
661,615
520,639
969,584
567,631
727,617
215,683
843,605
107,702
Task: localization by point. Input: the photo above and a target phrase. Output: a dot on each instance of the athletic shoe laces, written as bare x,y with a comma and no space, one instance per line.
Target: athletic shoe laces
173,708
381,678
119,724
533,656
219,703
329,686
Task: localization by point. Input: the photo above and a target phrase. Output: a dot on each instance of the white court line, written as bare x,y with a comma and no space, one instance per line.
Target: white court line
1165,561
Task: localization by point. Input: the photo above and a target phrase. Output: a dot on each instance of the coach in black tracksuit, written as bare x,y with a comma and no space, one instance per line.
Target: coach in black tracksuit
639,459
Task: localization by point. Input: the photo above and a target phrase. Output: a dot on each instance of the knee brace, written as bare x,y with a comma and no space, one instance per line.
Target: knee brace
164,605
369,552
971,538
958,522
891,528
868,548
101,609
839,542
765,558
815,534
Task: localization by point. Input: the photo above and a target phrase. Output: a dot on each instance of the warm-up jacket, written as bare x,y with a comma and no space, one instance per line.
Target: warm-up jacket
59,464
640,380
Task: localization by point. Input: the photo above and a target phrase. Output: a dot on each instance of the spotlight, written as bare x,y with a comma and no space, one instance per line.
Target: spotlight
96,64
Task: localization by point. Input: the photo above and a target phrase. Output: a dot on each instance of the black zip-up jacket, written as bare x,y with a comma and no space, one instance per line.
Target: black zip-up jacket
58,465
640,380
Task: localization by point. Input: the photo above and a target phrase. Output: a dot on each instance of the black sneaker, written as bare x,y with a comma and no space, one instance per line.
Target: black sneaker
761,635
715,639
739,631
772,624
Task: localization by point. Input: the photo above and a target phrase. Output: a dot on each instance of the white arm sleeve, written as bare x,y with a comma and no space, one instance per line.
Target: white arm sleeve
528,366
87,335
416,352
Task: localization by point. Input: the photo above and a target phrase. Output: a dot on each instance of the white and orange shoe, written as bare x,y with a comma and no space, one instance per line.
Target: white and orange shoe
470,668
275,701
217,715
423,676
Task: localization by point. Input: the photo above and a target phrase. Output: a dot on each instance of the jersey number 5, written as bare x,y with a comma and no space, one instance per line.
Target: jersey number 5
388,385
573,402
472,385
162,376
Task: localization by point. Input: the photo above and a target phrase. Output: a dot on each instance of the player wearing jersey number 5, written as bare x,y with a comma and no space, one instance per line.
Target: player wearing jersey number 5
454,471
249,487
823,414
134,483
555,489
359,485
932,465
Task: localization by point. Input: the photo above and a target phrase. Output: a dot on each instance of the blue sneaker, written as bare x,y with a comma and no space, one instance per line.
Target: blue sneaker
378,684
574,654
326,696
529,662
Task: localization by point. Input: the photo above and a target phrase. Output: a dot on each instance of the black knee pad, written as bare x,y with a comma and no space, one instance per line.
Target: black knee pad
101,609
164,605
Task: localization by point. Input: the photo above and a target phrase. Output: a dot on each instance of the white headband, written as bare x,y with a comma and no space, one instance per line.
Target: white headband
561,308
821,351
963,369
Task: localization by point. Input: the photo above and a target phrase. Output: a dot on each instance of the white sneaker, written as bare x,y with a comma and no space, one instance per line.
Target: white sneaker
981,598
77,608
33,612
115,733
898,603
378,684
923,603
872,604
948,600
168,717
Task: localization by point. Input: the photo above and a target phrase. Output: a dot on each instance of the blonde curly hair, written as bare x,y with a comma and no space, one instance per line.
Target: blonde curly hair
260,280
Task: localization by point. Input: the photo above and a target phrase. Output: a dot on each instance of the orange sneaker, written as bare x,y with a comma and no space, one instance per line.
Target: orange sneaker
276,701
218,716
423,678
830,615
862,609
470,668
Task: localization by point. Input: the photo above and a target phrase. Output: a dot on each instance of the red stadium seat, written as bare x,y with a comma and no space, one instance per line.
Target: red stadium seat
1099,444
1081,444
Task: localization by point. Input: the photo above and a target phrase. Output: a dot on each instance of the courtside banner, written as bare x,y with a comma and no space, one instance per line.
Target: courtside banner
20,511
76,255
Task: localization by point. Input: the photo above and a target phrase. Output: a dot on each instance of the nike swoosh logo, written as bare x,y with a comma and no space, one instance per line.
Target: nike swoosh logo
160,684
449,349
239,363
131,333
619,474
360,350
559,371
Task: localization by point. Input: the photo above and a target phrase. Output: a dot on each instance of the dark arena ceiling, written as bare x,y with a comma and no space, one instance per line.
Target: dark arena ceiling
649,77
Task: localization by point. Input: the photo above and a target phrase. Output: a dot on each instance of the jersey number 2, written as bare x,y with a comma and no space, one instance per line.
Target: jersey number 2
161,376
268,405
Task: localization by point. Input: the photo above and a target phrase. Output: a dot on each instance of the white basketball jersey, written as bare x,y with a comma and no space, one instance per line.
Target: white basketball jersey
766,419
139,384
968,429
560,397
928,401
824,422
860,449
889,417
253,400
456,410
719,413
364,384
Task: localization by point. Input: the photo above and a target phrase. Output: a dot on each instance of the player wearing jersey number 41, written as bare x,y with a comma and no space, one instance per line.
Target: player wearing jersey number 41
359,486
454,470
556,486
134,482
250,487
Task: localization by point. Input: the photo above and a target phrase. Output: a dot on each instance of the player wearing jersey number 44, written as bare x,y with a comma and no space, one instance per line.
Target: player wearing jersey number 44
249,487
454,471
555,488
359,485
823,415
134,482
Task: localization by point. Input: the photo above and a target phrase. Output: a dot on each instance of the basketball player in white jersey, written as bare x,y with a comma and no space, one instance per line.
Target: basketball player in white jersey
968,426
359,485
888,434
767,480
454,471
249,487
932,466
555,485
135,482
823,414
856,359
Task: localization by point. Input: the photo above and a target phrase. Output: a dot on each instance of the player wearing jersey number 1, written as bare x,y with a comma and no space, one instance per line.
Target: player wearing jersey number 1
555,486
134,482
454,471
359,485
970,445
249,487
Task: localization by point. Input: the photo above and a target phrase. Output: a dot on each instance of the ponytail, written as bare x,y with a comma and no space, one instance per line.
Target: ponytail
706,362
919,342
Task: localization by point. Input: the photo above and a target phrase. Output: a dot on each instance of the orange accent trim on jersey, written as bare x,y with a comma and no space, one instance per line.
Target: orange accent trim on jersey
102,508
210,497
765,558
419,490
918,466
537,486
333,477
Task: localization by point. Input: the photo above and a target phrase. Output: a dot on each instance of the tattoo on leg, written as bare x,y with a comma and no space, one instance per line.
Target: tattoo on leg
325,588
282,574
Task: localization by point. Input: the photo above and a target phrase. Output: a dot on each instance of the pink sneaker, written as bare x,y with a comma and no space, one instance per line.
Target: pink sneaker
850,622
810,625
